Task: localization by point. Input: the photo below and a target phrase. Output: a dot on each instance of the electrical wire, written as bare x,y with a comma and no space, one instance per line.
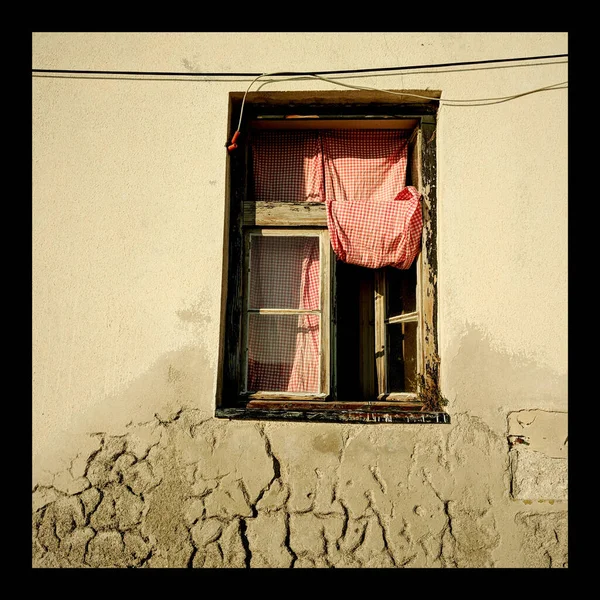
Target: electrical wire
448,101
443,101
483,102
246,93
363,76
292,73
412,95
304,75
205,79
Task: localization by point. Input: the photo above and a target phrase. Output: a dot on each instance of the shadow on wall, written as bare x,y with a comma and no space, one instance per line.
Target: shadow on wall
179,379
478,371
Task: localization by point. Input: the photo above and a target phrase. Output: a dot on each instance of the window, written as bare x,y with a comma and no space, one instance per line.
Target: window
309,332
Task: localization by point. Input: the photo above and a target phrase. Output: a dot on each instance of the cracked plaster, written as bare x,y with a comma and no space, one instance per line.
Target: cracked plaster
538,455
192,492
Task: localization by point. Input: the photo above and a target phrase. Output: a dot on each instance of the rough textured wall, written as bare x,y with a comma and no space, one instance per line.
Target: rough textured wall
194,492
129,186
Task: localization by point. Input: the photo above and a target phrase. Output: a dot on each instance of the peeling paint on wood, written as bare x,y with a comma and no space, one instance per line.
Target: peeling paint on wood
356,415
284,214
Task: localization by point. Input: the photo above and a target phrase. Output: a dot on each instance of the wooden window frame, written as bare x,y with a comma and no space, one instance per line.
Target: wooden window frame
244,216
324,312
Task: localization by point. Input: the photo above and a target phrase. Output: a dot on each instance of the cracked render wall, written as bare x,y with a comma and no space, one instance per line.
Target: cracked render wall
193,492
130,467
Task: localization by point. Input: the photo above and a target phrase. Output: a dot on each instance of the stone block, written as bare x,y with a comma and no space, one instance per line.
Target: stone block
536,476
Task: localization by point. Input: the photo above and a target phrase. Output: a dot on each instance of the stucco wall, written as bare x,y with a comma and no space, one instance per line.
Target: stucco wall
129,465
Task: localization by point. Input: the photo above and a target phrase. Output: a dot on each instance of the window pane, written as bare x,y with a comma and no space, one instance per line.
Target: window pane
401,290
287,166
283,353
284,272
402,357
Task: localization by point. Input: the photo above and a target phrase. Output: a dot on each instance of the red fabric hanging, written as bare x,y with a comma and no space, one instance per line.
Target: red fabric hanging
377,234
287,166
283,349
374,220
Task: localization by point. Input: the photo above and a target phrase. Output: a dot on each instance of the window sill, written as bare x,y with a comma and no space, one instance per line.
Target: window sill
332,412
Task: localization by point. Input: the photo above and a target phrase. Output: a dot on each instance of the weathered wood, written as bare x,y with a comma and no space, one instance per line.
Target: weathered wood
366,339
297,214
232,335
333,333
243,213
415,159
339,103
315,122
416,174
429,251
363,415
405,318
380,337
324,329
421,317
408,398
300,404
323,311
271,397
244,353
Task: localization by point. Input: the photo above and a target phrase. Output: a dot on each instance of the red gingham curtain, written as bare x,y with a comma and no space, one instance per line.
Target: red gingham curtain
374,220
287,166
283,349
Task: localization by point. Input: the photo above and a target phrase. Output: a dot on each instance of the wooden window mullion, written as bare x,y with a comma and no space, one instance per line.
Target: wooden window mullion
380,333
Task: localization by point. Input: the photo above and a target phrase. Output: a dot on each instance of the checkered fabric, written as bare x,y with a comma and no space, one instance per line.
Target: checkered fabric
287,166
377,234
283,350
346,169
374,220
285,272
364,166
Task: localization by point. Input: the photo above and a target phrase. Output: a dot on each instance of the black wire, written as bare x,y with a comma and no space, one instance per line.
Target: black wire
286,73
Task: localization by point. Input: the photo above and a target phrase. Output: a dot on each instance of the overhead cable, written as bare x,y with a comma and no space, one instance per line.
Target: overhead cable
292,73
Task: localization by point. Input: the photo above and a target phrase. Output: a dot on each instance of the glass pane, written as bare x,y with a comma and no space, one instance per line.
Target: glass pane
402,357
401,290
287,166
284,272
283,353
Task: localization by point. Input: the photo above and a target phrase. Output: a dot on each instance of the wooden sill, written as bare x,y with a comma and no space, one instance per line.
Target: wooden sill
332,412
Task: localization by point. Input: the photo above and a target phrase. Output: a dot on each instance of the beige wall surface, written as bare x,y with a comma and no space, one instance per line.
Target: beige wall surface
130,467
